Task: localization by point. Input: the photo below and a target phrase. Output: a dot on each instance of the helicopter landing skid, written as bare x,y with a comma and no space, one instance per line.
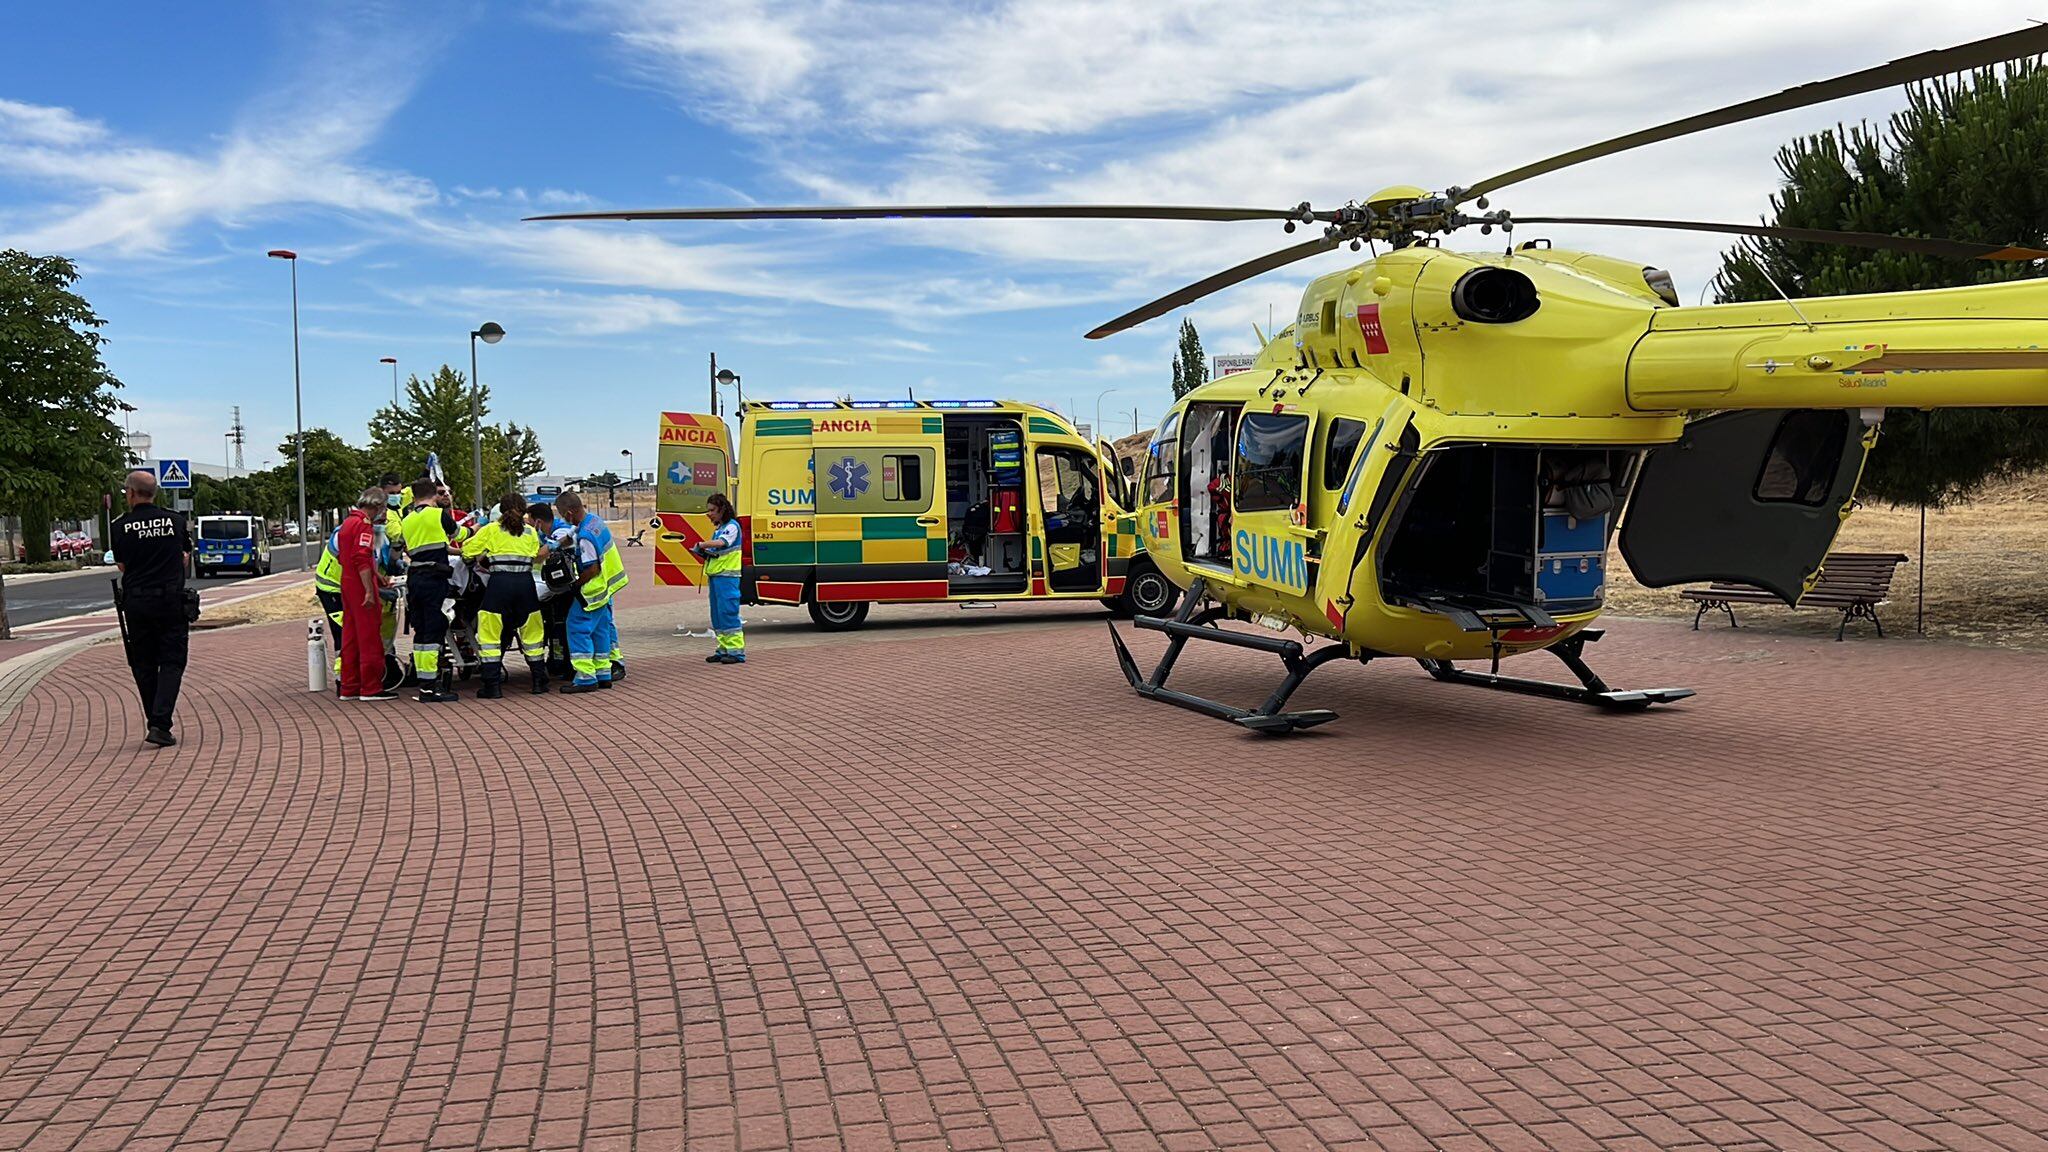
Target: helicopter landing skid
1594,690
1267,719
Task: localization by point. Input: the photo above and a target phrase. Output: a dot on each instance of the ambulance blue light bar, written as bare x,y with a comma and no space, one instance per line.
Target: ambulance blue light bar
963,403
801,405
867,404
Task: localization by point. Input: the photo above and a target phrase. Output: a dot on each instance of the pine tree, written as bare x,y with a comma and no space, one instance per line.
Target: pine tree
1190,364
1966,159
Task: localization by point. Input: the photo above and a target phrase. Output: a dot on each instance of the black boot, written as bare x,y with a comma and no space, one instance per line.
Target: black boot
618,671
539,673
494,683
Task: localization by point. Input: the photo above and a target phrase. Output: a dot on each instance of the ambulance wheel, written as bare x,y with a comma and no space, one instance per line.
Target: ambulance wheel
1146,593
839,615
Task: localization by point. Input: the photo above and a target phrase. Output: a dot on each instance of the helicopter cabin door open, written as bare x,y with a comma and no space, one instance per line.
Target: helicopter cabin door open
1495,530
1753,497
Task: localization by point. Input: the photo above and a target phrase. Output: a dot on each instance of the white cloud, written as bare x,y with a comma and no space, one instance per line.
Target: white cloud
34,124
555,311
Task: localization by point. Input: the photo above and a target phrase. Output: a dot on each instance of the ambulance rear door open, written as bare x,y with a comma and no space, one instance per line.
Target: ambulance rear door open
881,513
695,461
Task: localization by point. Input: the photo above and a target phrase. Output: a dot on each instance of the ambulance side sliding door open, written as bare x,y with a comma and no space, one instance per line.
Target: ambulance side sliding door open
987,549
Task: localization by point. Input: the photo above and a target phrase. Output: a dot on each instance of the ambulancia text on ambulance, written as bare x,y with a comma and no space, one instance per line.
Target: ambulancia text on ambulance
851,503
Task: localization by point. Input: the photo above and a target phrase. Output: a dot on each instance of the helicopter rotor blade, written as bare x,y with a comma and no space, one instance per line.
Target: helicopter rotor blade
1951,249
2031,41
1216,283
955,211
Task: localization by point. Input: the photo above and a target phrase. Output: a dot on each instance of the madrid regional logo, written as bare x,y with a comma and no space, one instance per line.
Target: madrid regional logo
849,478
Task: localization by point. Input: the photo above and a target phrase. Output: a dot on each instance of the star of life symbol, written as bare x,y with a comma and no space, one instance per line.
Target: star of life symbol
677,474
849,478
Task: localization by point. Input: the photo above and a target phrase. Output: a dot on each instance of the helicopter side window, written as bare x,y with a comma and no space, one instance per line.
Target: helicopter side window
1800,467
1339,446
1159,460
1271,447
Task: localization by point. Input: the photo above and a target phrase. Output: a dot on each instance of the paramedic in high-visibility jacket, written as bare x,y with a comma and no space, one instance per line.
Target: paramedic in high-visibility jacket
507,549
721,555
428,534
600,574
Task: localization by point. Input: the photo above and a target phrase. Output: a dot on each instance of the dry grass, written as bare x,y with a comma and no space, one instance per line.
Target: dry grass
1987,572
295,603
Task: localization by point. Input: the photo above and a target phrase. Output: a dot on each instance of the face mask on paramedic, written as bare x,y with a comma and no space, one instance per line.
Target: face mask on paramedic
391,499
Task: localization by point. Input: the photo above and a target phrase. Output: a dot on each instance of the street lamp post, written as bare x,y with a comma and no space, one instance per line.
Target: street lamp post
1095,429
298,401
490,333
730,379
393,361
632,497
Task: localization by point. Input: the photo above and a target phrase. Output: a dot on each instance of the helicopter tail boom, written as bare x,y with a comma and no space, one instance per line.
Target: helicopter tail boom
1959,347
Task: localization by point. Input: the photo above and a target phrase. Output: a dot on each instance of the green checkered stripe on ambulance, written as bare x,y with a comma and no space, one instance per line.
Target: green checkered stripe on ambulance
882,540
1123,541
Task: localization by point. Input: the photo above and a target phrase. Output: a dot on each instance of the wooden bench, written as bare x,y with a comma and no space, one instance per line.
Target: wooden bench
1855,582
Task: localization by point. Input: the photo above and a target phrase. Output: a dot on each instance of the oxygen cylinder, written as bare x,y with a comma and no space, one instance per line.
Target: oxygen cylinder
316,657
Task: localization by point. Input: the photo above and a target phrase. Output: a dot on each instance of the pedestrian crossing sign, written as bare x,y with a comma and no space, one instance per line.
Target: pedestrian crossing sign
174,473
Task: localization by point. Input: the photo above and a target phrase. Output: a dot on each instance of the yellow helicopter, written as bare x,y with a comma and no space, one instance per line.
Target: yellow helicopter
1430,461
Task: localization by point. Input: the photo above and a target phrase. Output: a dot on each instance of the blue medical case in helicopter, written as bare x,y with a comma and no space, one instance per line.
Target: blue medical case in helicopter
1571,560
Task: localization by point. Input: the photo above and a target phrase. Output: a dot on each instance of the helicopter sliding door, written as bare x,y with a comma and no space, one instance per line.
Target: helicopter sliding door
1752,497
1205,454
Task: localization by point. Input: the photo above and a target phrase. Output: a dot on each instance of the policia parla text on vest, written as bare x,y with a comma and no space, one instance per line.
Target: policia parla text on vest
150,544
508,548
428,531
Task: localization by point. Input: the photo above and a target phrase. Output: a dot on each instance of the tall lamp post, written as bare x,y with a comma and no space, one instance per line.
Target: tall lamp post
393,361
1095,429
490,333
298,401
730,379
632,497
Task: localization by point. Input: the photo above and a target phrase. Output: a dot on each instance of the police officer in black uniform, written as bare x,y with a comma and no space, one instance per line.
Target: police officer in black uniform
150,545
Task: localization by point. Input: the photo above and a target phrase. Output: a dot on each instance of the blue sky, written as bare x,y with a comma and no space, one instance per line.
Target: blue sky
395,146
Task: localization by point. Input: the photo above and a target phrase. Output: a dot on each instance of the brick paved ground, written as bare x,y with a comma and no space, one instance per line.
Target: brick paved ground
961,889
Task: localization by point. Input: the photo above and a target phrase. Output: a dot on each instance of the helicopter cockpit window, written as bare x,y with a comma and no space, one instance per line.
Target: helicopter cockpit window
1800,467
1339,446
1159,460
1270,449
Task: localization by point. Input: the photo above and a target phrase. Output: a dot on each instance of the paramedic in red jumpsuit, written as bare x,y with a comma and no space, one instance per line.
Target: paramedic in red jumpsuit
362,638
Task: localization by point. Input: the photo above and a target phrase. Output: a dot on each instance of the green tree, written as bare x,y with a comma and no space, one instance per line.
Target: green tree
515,451
1968,159
1190,364
57,444
435,417
336,471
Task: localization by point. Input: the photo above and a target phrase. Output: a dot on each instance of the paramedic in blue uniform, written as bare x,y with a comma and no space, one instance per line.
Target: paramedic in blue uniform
599,574
150,545
721,556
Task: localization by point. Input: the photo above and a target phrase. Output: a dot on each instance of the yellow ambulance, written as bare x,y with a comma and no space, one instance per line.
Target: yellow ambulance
851,503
